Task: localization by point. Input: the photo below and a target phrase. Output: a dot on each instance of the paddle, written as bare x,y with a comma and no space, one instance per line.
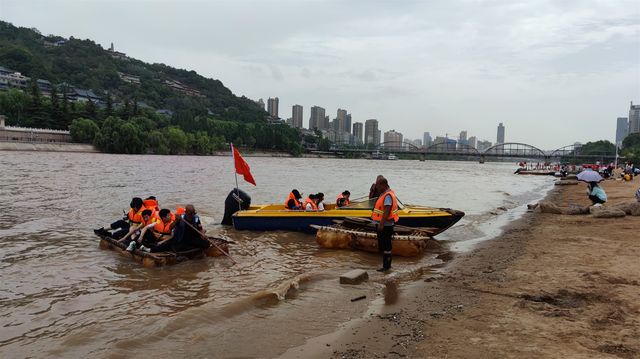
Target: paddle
212,242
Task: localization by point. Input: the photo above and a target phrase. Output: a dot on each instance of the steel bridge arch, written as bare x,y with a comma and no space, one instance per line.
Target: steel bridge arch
566,150
515,149
461,149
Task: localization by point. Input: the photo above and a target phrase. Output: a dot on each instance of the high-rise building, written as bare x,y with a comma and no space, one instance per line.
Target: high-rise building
483,145
341,120
358,132
316,121
371,133
427,140
272,107
634,118
473,141
296,116
622,129
347,123
378,137
260,103
463,136
393,140
500,138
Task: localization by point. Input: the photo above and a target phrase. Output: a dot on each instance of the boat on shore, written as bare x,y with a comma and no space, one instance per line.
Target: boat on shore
159,259
271,217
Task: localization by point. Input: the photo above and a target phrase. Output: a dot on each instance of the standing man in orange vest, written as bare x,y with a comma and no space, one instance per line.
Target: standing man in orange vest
385,214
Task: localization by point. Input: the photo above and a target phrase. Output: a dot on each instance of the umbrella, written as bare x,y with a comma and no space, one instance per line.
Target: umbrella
589,176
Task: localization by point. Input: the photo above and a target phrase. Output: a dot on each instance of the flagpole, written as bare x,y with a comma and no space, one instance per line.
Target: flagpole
233,157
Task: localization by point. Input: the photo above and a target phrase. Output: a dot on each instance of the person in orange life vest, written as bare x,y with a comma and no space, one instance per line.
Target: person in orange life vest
134,232
319,199
343,199
293,201
310,203
122,226
385,215
151,203
158,231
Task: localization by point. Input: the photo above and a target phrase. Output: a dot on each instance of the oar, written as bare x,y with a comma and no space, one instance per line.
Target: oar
212,242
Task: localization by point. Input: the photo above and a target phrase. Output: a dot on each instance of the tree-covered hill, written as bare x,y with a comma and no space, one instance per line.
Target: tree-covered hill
87,65
112,101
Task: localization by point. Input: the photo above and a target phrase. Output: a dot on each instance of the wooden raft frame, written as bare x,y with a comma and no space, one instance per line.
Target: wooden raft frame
152,260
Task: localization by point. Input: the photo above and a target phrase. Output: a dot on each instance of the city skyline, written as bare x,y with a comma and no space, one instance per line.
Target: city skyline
573,66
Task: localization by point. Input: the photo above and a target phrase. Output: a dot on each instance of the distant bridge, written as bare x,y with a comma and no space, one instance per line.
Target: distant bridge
570,153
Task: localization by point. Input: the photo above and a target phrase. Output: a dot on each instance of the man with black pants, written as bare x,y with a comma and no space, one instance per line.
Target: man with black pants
385,214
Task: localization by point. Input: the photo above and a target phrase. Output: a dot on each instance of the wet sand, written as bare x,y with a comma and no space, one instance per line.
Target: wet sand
549,286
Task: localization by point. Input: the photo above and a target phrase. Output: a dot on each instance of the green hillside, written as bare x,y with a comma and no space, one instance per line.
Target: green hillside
200,115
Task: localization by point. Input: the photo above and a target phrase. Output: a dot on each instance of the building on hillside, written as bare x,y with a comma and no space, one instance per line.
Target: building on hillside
132,79
165,112
358,133
12,79
25,134
500,136
117,55
182,88
45,87
296,116
634,118
272,107
371,132
260,103
393,140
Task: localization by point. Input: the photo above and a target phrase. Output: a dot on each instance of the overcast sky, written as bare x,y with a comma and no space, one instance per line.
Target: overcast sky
554,72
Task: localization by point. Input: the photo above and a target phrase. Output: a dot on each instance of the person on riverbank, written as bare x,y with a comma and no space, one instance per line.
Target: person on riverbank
343,199
373,191
596,194
293,201
385,215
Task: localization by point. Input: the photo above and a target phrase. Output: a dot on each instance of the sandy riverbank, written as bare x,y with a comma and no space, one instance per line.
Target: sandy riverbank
549,286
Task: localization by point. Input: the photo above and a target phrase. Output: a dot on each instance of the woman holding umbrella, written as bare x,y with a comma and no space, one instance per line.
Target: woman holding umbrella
595,192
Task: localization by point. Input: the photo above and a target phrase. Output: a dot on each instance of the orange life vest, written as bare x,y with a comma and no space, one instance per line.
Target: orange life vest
346,200
378,209
135,217
152,219
295,201
151,204
164,228
314,206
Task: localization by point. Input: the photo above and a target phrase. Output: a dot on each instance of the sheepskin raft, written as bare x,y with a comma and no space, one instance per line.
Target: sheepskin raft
151,260
337,237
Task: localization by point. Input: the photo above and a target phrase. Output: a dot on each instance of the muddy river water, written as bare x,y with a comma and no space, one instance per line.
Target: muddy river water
60,295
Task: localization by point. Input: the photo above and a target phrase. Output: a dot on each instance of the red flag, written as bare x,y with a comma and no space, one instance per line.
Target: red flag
242,168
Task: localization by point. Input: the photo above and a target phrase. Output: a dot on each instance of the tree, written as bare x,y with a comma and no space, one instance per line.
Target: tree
13,104
598,148
177,140
83,130
631,140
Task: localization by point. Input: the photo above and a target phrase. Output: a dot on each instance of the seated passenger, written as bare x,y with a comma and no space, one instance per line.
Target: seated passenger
185,236
310,204
293,202
121,227
319,199
157,232
134,232
343,199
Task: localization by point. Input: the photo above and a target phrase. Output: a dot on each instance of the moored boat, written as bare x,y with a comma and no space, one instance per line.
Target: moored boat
150,260
275,217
